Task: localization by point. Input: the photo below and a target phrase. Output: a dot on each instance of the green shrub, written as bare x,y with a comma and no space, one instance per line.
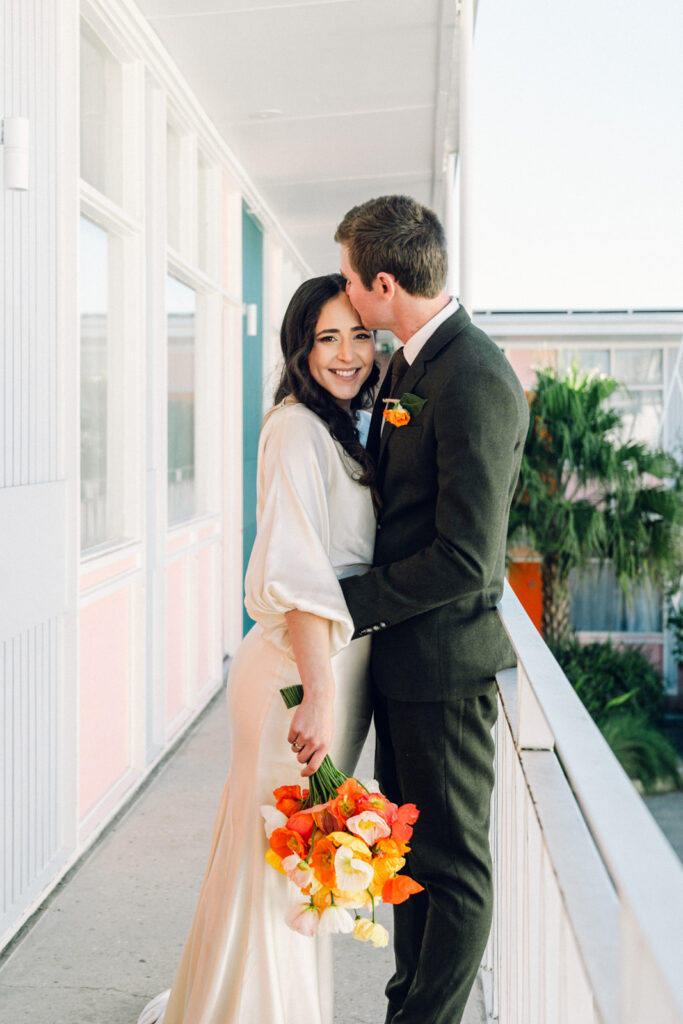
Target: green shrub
641,749
623,694
611,681
674,621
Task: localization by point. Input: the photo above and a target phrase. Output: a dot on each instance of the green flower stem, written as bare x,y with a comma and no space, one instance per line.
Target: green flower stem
323,784
307,860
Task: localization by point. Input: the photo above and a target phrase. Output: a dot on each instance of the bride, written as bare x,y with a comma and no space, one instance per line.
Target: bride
241,963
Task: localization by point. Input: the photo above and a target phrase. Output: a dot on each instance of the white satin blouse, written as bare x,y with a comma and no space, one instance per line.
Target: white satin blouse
315,525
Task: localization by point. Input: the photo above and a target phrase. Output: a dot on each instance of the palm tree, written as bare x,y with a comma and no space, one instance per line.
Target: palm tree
585,493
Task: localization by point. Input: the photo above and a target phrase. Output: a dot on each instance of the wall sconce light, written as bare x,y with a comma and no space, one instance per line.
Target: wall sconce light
251,312
14,140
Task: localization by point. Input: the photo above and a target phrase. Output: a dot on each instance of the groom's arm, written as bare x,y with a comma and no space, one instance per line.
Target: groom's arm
480,426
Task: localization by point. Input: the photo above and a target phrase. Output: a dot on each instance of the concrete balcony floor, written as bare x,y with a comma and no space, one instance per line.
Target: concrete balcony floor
110,936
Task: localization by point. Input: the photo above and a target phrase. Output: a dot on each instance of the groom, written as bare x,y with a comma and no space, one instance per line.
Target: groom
445,480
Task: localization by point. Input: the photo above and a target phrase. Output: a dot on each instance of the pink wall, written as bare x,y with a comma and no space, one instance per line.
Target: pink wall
206,613
525,360
176,638
104,696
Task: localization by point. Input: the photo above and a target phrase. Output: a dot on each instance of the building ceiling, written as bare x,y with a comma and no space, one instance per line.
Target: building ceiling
325,102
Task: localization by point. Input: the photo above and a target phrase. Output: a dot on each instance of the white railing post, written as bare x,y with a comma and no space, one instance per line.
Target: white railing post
588,896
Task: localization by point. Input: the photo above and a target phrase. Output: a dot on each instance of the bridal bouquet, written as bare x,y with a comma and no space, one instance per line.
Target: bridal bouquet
343,846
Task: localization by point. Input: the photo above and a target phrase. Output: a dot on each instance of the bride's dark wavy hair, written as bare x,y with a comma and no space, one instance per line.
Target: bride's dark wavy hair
297,337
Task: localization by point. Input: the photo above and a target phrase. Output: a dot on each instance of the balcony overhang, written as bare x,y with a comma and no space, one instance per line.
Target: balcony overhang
325,103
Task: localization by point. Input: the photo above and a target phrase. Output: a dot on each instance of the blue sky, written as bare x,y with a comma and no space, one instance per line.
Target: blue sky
578,154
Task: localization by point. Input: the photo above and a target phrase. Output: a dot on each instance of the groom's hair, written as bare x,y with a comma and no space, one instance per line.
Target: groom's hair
398,235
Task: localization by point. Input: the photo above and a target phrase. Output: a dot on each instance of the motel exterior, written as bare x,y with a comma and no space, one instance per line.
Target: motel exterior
149,247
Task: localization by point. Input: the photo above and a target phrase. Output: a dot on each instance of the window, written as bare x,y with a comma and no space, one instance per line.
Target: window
101,455
181,320
641,405
587,359
101,120
639,369
111,307
599,606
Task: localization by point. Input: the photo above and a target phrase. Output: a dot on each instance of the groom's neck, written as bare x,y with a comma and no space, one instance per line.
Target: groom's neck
414,311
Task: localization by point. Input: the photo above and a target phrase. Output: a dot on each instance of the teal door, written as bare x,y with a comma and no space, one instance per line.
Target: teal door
252,375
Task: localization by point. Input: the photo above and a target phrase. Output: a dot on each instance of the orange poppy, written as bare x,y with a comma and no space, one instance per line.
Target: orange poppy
406,817
326,820
380,805
384,869
302,822
285,841
346,802
322,862
398,889
289,799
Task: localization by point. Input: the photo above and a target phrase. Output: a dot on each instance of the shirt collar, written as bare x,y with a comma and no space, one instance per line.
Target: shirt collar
414,344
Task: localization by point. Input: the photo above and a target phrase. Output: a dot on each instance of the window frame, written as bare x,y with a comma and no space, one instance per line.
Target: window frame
126,337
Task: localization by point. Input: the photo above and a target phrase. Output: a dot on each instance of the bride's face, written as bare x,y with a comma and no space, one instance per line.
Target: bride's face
343,352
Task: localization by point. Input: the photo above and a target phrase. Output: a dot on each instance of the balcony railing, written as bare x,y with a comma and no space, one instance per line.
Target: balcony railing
588,918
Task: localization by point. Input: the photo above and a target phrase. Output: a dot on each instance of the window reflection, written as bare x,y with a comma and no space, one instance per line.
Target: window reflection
641,414
94,310
180,311
638,366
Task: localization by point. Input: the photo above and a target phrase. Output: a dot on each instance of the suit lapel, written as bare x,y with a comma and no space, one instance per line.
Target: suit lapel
443,335
410,378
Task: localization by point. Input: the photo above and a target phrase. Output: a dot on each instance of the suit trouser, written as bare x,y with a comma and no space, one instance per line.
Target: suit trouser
439,755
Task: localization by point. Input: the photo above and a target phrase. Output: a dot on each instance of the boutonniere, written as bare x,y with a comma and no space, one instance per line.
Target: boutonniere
400,411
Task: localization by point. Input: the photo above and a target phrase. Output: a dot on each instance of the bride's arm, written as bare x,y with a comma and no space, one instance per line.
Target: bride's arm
312,723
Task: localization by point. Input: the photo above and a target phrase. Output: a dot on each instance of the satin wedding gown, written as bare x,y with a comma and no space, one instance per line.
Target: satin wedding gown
241,963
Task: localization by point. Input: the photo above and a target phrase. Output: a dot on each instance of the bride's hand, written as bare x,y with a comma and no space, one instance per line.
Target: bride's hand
310,731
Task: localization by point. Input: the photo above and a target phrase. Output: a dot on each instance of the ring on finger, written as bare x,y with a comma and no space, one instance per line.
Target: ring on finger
296,746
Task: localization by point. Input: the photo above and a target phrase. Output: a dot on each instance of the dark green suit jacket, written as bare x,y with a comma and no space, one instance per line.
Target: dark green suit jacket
446,481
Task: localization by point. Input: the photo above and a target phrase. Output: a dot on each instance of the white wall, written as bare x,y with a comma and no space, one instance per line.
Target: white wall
93,693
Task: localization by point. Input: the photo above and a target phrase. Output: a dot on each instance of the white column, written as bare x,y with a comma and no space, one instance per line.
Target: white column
466,27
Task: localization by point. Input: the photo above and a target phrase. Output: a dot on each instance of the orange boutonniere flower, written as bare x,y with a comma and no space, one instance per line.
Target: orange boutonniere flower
397,415
400,411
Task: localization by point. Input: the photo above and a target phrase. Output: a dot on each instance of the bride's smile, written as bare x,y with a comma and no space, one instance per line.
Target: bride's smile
343,351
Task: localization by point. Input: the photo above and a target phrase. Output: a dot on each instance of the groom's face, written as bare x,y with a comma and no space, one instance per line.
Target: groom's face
366,302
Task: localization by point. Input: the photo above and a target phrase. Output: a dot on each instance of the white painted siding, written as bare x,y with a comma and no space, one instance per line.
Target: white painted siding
29,452
30,776
32,495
